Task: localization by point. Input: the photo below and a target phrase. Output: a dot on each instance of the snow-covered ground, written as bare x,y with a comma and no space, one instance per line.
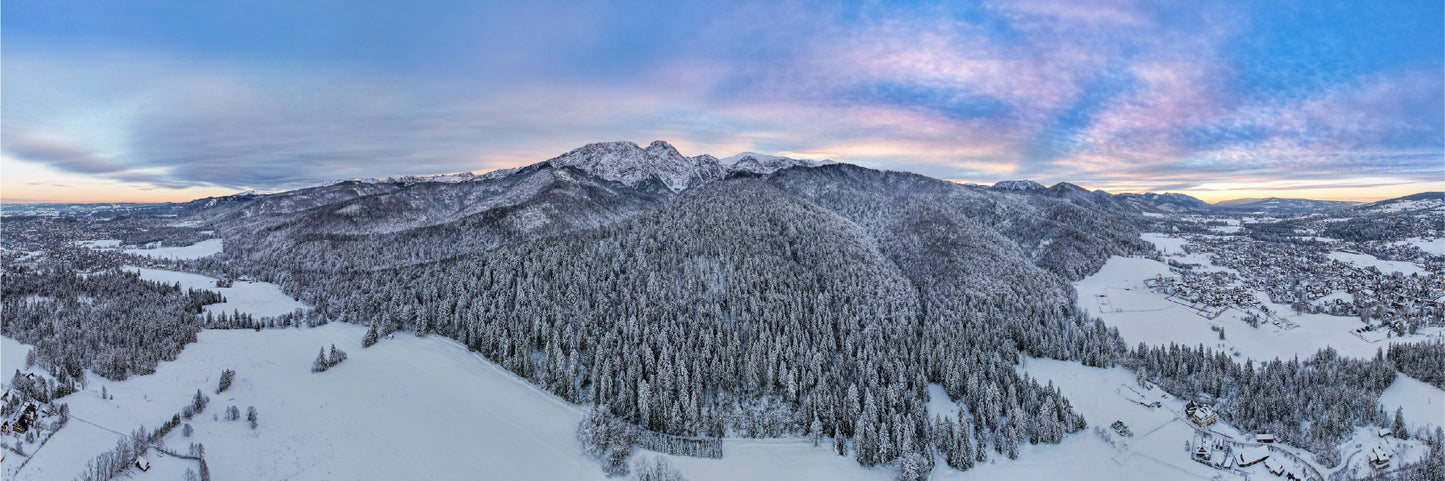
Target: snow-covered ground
1434,246
1167,244
101,244
198,250
1156,451
1356,451
1117,295
1424,404
12,356
1366,260
407,408
261,299
777,459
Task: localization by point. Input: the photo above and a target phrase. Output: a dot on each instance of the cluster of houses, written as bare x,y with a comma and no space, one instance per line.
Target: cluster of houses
1227,453
1206,291
1306,278
1252,455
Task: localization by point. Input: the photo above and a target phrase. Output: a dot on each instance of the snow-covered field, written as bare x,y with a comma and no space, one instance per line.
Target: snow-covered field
407,408
1424,404
198,250
261,299
1434,246
101,244
1366,260
1145,316
1167,244
12,356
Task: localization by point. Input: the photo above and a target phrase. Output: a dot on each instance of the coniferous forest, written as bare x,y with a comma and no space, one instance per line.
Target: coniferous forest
819,302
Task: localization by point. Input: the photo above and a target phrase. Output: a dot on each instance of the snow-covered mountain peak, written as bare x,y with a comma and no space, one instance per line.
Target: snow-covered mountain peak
1018,185
630,164
766,164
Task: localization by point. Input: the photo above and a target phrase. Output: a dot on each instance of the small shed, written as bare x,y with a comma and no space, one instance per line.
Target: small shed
1385,432
142,463
1264,438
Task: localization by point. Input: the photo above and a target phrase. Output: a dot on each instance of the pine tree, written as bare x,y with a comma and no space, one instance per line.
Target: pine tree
320,364
226,376
914,467
1400,429
336,356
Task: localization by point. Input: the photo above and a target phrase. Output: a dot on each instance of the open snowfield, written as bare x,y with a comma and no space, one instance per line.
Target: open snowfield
1145,316
1167,244
198,250
1424,404
101,244
1172,246
1365,261
12,357
407,408
777,459
1434,246
261,299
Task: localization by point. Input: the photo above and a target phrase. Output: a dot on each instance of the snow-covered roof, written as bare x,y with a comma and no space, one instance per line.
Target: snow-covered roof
1251,455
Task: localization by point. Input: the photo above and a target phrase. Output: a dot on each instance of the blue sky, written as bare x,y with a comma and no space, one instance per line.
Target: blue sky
161,100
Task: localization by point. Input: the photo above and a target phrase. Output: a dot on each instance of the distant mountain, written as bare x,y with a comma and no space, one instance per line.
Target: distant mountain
1018,185
766,164
631,165
1417,215
1423,200
1282,205
1166,202
1099,199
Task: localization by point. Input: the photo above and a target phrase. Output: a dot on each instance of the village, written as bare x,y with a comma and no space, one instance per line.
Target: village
1248,275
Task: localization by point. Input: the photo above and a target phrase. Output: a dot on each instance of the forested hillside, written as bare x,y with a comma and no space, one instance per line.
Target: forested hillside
752,305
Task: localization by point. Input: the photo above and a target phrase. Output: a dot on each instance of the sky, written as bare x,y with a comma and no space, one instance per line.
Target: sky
144,101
